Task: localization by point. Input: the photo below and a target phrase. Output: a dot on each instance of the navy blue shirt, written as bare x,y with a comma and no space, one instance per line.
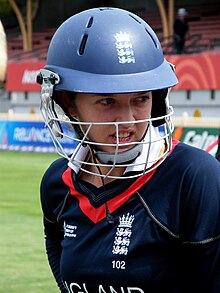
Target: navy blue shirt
157,233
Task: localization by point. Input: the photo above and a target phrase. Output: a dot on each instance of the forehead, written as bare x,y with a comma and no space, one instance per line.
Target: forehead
113,95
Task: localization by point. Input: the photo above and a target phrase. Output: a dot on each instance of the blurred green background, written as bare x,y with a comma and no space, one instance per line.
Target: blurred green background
23,262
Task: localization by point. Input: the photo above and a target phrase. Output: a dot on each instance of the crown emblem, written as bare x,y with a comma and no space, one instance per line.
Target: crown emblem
126,221
122,37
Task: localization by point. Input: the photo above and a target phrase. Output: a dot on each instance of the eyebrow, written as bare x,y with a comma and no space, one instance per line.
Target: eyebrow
112,95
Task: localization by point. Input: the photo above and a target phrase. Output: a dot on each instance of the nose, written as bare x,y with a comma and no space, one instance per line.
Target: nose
124,113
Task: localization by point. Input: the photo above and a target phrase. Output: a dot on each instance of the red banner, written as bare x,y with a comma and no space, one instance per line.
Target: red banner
195,72
21,77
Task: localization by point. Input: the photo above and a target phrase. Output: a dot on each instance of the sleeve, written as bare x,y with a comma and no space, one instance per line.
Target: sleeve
201,218
53,230
53,238
202,272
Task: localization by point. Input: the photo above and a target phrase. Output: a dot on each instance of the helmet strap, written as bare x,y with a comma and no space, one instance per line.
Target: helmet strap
125,157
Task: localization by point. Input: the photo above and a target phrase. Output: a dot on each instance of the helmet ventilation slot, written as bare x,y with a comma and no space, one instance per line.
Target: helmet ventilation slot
132,16
89,24
83,44
152,38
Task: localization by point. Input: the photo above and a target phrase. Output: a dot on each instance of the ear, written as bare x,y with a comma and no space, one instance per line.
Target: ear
66,102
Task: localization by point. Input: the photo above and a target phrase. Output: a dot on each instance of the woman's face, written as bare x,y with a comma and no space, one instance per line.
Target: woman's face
113,108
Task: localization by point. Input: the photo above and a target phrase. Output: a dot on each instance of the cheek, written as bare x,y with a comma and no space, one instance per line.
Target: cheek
143,115
144,112
96,132
149,108
148,111
89,115
141,128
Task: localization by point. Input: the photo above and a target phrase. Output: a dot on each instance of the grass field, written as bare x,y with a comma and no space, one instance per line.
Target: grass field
23,262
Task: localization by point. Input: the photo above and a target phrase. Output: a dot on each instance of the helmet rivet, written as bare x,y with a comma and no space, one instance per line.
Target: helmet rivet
52,79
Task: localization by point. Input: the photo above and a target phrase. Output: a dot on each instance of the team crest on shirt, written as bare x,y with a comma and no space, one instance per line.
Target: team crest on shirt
123,234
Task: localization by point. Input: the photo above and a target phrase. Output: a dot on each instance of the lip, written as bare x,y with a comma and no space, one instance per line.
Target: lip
124,137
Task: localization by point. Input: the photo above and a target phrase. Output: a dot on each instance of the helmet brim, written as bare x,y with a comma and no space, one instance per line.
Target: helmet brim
77,81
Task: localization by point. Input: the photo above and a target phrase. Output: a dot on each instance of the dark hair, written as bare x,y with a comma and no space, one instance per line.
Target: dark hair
217,155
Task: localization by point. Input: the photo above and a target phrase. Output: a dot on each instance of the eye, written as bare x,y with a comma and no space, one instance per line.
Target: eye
107,101
142,99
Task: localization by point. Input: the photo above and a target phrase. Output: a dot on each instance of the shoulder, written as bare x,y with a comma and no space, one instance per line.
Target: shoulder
55,170
195,158
195,167
52,178
52,188
199,172
187,186
199,191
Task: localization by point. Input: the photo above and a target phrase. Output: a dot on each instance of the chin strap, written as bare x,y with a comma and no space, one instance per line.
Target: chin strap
121,157
152,151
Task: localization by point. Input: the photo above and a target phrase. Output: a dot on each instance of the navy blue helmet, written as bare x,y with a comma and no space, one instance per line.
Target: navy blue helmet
108,50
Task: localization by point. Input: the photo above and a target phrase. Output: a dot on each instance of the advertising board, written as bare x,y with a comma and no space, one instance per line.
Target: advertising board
34,136
28,136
